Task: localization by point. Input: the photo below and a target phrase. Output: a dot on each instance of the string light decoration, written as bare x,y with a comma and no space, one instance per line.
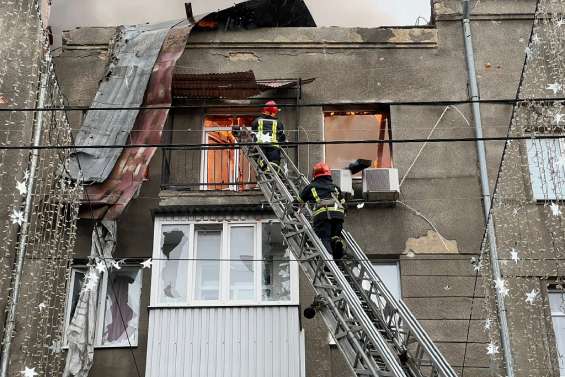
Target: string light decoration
527,211
52,220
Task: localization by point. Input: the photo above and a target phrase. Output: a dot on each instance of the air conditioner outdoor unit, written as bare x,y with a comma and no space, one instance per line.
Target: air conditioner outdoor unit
342,179
380,184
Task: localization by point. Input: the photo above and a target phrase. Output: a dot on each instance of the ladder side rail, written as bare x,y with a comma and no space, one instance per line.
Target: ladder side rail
415,331
352,305
404,316
350,346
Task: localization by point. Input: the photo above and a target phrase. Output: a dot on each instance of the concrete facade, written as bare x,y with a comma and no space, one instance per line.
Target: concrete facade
352,66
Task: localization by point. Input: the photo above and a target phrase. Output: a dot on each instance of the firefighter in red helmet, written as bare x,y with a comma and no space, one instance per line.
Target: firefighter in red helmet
329,210
269,130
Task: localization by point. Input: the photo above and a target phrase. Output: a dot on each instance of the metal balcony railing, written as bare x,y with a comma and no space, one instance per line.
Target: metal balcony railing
218,168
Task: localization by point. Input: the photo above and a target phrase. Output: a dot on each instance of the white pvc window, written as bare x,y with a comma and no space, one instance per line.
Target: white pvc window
557,306
389,273
546,160
119,294
207,254
242,266
225,263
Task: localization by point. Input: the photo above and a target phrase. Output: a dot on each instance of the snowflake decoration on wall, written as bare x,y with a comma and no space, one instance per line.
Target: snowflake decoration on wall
492,348
29,372
21,187
555,87
514,255
146,263
532,296
17,217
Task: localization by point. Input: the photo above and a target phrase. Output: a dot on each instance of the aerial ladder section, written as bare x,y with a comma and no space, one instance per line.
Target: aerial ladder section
377,334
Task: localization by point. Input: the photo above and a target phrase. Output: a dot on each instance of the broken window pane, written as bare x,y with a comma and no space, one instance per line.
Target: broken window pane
356,126
123,294
242,280
276,265
173,264
78,275
207,262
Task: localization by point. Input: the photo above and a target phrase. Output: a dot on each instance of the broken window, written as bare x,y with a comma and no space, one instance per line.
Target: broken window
276,264
122,305
78,275
227,168
172,263
239,263
357,125
208,244
119,295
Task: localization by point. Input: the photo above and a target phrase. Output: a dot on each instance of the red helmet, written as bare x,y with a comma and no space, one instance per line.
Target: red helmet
271,108
320,169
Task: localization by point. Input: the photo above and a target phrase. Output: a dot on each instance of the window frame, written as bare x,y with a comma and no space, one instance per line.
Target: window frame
204,155
374,110
553,314
224,299
204,162
100,307
544,190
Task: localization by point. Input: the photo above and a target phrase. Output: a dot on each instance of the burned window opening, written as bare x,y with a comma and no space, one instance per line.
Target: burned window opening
226,169
358,124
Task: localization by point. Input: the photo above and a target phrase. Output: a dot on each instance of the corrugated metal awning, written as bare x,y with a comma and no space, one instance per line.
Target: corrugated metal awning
233,85
236,85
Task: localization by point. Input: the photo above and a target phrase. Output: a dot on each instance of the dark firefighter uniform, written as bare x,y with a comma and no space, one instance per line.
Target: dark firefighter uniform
269,130
328,213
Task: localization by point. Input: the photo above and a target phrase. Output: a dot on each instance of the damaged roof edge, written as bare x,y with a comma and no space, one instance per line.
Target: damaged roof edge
253,14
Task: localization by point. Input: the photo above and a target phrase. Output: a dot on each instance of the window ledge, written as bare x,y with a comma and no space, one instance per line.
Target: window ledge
216,306
210,198
133,346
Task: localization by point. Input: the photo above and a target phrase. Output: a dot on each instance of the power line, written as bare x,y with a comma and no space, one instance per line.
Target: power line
500,101
202,146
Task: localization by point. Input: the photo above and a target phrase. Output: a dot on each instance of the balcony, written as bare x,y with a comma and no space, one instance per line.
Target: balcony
219,168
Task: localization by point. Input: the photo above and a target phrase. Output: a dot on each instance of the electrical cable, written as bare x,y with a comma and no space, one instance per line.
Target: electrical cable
202,146
501,101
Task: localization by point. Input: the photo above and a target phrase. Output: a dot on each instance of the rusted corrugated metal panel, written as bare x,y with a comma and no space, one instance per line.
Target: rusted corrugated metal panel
224,341
236,85
108,199
136,49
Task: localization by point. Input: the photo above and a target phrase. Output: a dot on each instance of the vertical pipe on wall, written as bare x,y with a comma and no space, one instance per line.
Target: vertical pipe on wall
24,229
487,199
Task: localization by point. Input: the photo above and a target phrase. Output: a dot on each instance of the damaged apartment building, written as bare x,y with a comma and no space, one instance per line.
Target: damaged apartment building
193,275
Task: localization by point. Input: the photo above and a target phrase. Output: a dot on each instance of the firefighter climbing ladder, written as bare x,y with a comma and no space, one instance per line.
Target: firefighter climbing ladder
377,334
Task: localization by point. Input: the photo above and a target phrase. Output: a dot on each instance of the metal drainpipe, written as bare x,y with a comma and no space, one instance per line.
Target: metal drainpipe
487,200
24,229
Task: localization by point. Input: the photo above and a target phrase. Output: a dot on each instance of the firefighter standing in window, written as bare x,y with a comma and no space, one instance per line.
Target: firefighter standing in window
329,210
269,130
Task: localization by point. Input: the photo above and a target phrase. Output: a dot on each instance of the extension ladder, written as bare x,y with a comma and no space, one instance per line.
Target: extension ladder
377,334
